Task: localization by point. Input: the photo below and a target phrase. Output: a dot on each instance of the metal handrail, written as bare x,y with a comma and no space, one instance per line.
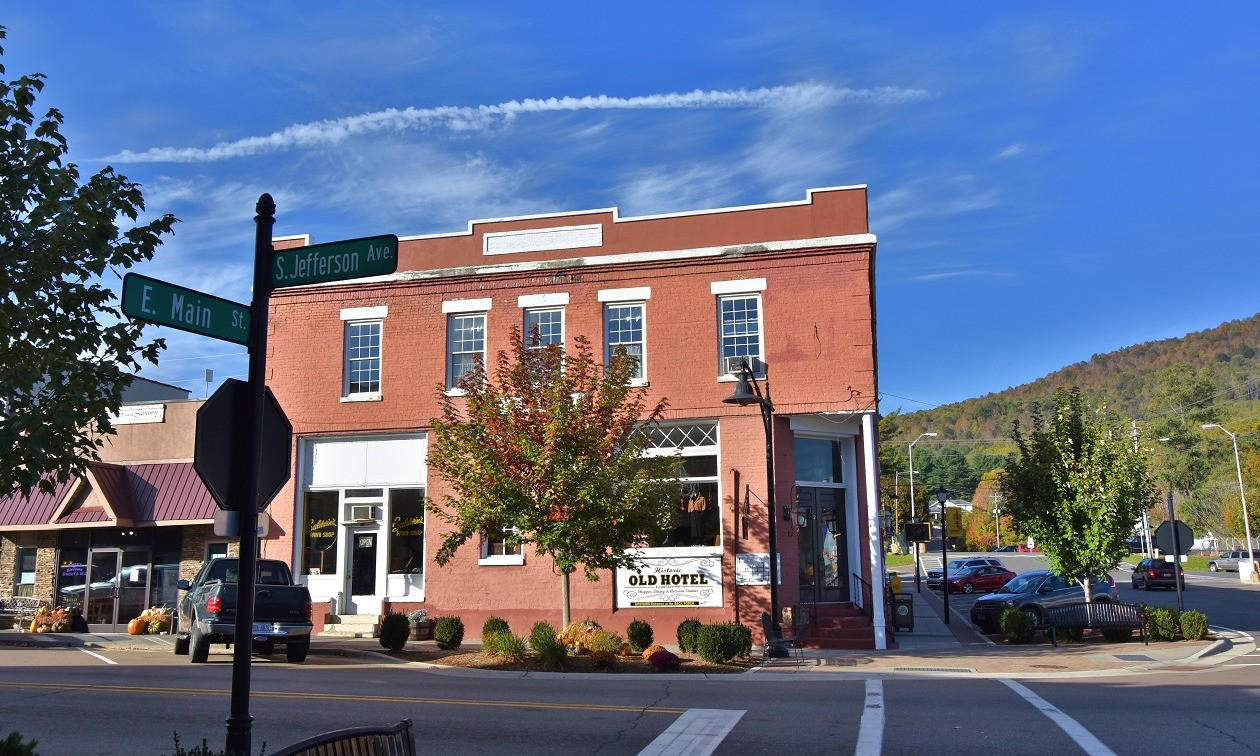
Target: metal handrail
865,598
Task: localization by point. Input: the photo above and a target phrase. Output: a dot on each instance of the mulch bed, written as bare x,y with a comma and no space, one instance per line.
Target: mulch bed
633,664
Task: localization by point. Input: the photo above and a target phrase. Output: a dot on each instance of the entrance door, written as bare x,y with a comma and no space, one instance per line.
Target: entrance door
101,595
361,580
823,543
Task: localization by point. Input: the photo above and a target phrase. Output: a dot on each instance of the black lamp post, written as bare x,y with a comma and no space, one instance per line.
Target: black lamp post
748,392
943,496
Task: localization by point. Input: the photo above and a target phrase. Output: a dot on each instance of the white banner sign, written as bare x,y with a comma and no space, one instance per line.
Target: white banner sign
671,581
134,414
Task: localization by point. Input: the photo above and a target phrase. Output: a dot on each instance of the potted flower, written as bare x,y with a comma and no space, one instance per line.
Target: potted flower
421,628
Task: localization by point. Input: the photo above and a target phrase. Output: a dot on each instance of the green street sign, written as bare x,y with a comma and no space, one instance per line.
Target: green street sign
159,302
335,261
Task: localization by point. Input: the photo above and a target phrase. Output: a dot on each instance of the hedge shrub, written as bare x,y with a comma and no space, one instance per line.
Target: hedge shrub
1194,625
493,625
551,652
688,630
639,633
395,629
505,644
448,632
1162,624
605,640
1016,626
721,642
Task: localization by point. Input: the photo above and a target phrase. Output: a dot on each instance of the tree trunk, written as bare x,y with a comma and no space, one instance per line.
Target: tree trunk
564,599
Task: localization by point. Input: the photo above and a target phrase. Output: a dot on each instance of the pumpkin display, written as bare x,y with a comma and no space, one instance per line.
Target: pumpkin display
137,626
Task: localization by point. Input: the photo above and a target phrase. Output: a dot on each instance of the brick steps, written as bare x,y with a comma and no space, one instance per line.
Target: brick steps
841,627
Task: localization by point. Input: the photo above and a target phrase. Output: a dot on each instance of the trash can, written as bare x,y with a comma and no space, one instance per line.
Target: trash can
903,611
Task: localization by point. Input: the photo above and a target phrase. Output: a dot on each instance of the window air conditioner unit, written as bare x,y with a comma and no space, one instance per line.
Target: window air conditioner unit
363,512
732,365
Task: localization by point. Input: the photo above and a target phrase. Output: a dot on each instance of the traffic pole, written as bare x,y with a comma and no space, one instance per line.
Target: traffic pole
240,721
1172,517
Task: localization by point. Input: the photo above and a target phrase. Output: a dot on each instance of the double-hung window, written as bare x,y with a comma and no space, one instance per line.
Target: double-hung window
544,319
625,327
740,334
497,547
465,337
363,332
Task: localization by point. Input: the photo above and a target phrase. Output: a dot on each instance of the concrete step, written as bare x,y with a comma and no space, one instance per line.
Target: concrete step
351,626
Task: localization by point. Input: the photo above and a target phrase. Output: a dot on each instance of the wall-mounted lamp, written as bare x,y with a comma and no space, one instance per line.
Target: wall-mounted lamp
802,518
787,513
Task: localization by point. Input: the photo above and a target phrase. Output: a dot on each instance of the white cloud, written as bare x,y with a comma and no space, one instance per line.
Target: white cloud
1011,151
929,198
793,98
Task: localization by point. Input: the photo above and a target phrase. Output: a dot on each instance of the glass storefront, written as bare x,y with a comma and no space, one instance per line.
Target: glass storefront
113,574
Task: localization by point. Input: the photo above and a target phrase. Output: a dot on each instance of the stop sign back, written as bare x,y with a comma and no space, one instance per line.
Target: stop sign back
224,435
1164,538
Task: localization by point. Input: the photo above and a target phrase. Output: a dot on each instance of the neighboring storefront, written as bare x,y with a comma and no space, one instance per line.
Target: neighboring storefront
115,540
357,366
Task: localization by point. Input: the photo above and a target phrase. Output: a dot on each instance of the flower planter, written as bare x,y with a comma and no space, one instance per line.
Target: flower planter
422,630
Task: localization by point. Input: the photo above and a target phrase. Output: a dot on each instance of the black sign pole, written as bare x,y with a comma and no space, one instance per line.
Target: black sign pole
239,721
1176,539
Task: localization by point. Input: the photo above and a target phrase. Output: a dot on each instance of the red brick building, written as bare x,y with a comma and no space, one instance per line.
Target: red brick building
789,286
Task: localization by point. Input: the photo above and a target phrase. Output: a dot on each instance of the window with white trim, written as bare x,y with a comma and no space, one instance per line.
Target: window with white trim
623,327
697,517
497,547
363,358
465,340
547,324
739,324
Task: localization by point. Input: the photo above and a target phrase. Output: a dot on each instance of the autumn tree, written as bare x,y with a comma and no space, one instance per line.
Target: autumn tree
1076,487
1233,513
549,451
66,353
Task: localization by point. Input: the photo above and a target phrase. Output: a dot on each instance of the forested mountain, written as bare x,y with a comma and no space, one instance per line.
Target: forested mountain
1166,390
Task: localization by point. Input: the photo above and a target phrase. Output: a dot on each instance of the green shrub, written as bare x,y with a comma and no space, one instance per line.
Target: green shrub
395,628
1162,624
664,660
491,626
1194,625
722,641
202,750
639,633
15,745
1071,634
448,632
542,634
1016,626
688,630
605,640
506,644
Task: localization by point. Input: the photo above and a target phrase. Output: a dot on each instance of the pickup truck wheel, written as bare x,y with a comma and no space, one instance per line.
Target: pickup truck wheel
181,645
296,652
200,647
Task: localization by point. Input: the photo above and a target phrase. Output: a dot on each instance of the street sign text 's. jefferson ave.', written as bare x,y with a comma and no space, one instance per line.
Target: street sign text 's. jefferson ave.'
335,261
166,304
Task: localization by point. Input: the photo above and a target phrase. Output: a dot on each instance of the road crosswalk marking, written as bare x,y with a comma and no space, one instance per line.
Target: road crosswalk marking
870,741
1084,738
698,732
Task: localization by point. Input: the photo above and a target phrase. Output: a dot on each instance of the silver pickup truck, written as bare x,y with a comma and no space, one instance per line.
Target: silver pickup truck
207,612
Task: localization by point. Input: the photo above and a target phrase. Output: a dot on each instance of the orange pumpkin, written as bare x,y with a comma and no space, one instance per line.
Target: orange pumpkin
43,629
137,626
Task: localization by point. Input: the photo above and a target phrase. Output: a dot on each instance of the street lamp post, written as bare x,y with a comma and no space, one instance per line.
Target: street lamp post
748,392
913,511
997,524
1251,555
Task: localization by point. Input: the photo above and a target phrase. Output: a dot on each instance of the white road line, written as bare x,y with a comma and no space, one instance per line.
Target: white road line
98,656
1088,743
698,732
870,741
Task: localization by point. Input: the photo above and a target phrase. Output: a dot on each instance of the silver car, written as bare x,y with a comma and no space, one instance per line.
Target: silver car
1227,561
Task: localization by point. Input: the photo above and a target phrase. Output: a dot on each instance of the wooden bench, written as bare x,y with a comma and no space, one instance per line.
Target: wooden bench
20,610
1098,615
357,741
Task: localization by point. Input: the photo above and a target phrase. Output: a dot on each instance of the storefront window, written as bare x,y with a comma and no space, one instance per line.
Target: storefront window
697,513
818,460
24,575
406,531
319,533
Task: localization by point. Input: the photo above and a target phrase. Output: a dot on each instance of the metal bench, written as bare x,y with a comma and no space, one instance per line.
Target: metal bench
357,741
1098,615
776,645
19,609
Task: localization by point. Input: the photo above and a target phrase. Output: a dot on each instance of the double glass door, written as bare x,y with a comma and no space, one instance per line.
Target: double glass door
116,587
822,537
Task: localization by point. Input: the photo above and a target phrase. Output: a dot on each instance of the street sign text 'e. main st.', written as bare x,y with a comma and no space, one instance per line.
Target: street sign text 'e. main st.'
166,304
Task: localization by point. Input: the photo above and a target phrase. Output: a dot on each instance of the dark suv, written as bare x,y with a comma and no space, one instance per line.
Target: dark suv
1033,593
1156,573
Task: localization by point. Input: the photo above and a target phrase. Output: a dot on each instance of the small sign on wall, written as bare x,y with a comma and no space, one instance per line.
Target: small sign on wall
754,569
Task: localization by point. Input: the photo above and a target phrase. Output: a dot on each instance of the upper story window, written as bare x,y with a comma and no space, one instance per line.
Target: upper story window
465,337
624,326
740,332
547,324
362,373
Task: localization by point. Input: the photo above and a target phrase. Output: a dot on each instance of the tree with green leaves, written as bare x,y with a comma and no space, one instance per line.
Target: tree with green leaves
549,450
1181,402
66,353
1076,487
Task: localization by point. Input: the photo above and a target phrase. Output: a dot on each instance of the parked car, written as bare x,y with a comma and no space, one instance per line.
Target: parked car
1227,561
978,579
958,565
1009,548
1033,593
1135,544
1156,573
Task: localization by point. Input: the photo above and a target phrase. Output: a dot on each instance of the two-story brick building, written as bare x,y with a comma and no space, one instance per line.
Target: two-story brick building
358,366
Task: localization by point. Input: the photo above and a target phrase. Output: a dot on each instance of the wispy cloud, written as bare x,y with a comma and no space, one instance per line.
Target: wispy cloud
1012,151
456,119
929,198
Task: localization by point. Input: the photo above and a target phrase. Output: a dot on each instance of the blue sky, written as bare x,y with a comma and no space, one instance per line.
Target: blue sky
1047,181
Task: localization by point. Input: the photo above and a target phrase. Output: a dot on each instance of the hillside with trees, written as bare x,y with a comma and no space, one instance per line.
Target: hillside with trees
1164,391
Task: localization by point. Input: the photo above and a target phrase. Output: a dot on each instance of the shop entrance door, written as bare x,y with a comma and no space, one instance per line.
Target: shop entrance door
116,589
823,542
361,577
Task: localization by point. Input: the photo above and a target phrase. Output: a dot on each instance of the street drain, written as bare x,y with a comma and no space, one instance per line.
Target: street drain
933,669
1047,666
846,661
